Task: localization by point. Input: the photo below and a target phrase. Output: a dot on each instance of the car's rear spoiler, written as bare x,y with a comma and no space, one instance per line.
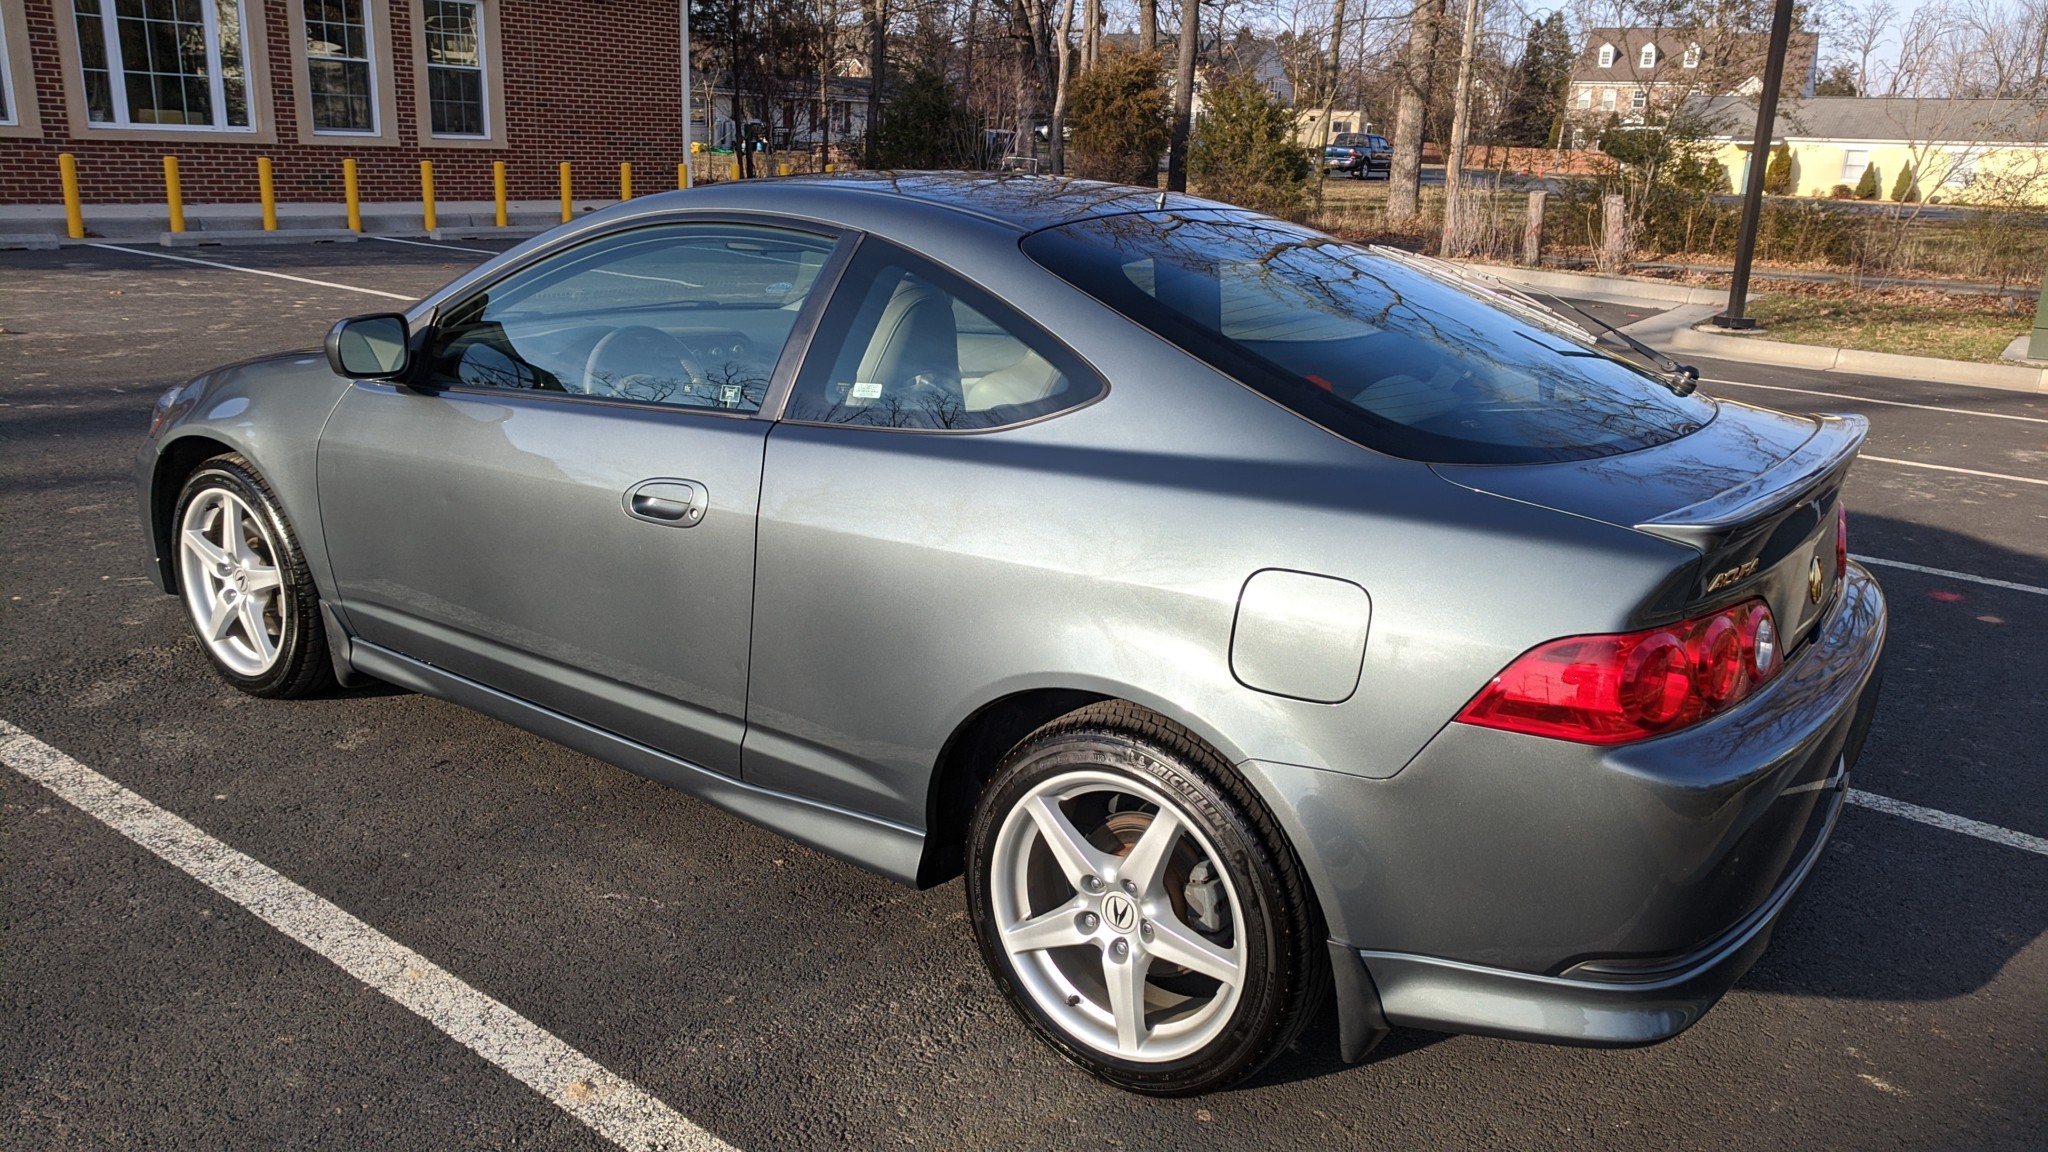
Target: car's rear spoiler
1815,465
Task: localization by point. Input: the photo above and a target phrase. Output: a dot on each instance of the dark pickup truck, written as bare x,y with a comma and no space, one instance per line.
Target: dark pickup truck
1362,154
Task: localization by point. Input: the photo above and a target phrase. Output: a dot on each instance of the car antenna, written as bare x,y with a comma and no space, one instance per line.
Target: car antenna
1683,379
1162,202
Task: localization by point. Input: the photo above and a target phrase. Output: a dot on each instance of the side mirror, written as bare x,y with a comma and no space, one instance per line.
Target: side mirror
374,347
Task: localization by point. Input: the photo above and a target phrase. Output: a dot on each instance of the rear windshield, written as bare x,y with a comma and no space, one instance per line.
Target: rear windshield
1375,351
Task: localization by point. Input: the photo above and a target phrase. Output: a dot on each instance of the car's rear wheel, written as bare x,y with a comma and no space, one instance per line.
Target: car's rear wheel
244,582
1139,907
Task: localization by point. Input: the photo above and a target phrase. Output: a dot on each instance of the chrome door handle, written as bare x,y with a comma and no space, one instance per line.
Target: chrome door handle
673,503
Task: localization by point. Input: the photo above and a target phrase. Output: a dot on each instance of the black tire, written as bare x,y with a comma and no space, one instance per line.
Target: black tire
301,667
1286,972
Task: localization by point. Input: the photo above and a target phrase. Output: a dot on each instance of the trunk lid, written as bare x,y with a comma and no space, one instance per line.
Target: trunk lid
1753,493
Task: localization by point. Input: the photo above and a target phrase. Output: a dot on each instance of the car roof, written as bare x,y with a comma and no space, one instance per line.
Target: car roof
1025,203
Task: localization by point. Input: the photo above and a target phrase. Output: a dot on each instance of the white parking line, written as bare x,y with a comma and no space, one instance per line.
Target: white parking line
429,244
613,1107
1948,821
1949,575
1948,468
1887,403
254,271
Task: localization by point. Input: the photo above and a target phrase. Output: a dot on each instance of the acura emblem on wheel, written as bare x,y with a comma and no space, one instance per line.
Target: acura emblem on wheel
1120,912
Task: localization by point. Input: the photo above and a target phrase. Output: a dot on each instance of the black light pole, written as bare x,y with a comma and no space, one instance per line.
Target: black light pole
1759,160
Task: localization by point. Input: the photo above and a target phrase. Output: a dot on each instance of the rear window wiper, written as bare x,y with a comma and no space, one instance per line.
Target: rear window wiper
1682,379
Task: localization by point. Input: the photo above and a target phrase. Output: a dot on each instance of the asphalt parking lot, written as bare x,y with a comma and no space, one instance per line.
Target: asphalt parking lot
769,997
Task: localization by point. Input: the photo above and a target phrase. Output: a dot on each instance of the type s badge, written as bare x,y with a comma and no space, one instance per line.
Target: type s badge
1723,579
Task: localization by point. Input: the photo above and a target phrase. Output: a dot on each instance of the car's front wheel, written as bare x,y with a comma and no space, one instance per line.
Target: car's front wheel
1139,907
245,583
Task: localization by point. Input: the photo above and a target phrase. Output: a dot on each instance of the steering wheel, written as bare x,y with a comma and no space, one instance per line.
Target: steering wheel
637,362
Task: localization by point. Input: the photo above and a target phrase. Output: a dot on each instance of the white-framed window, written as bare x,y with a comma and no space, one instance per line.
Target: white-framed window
9,114
1855,161
1341,126
1585,97
1962,170
1607,99
455,67
341,79
1607,55
1578,138
1692,56
1647,58
1639,100
164,63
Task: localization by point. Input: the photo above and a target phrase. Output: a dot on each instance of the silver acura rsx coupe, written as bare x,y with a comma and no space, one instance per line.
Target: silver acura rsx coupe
1251,617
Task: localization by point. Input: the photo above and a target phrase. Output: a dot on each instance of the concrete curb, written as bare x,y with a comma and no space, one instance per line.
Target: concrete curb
1607,289
1730,346
257,236
1674,331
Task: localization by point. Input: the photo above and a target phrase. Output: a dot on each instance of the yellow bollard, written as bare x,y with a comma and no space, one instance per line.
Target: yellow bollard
498,188
74,217
735,171
353,193
683,174
567,213
782,169
174,194
266,185
427,215
625,180
828,165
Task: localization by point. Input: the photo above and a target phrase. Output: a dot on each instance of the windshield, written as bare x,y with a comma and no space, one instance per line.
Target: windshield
1375,351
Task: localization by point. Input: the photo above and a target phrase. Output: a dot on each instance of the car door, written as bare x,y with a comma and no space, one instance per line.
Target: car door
559,501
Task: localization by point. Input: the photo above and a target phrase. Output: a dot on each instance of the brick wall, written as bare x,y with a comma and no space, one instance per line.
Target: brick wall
591,83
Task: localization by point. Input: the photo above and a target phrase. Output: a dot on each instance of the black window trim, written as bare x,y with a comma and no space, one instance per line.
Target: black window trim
780,394
780,379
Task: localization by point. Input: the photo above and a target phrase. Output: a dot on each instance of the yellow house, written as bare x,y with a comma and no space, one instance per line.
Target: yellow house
1959,151
1308,124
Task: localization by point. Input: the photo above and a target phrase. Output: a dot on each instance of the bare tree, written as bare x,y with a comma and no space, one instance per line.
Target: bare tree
1404,177
1184,94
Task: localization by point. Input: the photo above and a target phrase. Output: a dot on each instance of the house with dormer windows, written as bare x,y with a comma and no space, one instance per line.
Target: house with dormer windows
1637,75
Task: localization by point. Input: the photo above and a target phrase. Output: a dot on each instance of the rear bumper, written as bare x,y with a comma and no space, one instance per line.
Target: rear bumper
1513,886
1444,995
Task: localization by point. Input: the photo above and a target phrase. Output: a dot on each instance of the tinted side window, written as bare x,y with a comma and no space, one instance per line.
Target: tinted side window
691,315
908,345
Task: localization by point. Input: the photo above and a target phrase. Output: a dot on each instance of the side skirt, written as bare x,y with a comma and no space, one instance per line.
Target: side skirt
880,845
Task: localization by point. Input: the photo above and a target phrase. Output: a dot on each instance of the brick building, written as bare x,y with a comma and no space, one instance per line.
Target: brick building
1639,75
218,83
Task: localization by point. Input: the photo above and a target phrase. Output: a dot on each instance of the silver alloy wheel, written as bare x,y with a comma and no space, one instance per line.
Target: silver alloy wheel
1097,936
228,562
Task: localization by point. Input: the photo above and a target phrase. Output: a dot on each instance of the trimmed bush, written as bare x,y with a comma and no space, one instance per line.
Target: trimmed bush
1903,190
1778,176
1866,188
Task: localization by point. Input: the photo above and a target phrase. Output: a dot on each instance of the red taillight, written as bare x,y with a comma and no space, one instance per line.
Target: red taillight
1841,539
1634,685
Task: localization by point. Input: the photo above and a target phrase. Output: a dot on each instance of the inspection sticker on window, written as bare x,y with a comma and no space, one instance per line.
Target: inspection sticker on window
866,390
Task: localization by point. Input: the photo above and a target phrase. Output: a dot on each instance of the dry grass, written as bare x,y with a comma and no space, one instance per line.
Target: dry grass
1950,326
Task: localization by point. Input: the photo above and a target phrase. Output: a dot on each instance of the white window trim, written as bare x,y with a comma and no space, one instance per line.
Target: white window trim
1638,100
12,117
117,71
483,72
370,48
1692,56
1607,55
1607,99
1647,58
1586,98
